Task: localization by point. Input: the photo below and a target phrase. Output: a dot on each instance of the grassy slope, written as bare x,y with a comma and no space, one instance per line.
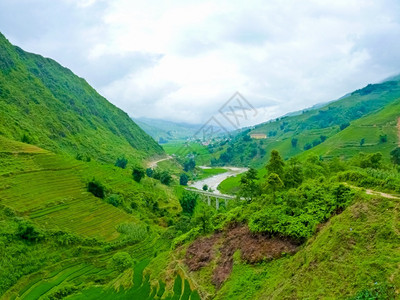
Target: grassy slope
51,190
310,125
347,142
354,251
60,112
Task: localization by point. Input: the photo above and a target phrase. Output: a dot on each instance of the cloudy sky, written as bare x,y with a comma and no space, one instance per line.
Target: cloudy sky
182,60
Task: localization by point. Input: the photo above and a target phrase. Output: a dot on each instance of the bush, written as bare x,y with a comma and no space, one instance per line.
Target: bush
205,187
114,200
96,188
27,231
137,173
183,179
121,162
121,261
188,202
149,172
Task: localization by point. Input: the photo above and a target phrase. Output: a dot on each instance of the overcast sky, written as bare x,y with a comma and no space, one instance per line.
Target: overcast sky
182,60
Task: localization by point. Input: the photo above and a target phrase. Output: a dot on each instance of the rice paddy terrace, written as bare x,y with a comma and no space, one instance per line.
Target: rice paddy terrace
50,190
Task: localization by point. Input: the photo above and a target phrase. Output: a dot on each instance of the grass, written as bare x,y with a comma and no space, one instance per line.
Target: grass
204,173
351,253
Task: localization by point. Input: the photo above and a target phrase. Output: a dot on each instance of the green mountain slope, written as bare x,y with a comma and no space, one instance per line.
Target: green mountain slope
45,104
292,135
165,131
378,132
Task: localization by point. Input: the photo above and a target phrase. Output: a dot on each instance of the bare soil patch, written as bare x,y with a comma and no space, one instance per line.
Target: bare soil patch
253,248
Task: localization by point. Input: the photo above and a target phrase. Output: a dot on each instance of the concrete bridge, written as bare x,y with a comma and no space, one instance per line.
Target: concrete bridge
208,195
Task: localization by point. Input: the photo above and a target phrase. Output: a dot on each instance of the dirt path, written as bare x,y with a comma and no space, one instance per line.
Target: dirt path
372,192
152,164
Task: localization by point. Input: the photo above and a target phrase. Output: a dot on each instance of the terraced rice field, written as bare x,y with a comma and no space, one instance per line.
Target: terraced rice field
51,190
73,272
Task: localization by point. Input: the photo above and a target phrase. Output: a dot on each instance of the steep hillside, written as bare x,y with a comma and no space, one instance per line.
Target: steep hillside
45,104
376,132
292,135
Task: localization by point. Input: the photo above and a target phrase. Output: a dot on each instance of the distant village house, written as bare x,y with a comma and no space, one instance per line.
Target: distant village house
258,136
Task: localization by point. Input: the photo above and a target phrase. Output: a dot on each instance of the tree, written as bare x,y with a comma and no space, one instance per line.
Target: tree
205,187
294,142
121,261
249,187
149,172
188,202
274,183
362,142
202,216
121,162
96,188
165,178
383,138
275,164
344,125
189,165
323,138
137,173
293,173
395,156
183,179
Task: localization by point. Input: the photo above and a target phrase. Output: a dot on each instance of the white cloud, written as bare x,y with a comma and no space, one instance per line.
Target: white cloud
181,60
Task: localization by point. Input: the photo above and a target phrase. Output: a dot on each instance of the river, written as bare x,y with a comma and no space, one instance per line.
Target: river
214,181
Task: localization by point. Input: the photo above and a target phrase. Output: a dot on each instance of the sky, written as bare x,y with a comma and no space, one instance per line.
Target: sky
183,60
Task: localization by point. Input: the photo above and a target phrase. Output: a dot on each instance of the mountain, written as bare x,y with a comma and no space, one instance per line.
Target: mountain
45,104
292,135
165,131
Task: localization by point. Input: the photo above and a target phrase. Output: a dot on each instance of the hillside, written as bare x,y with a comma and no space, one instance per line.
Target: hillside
292,135
45,104
377,132
166,131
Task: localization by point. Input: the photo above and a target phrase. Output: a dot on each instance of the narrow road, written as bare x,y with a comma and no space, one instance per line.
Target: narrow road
153,164
372,192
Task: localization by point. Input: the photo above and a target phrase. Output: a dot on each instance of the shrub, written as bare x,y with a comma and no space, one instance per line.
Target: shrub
205,187
188,202
183,179
96,188
27,231
121,162
149,172
137,173
120,261
114,200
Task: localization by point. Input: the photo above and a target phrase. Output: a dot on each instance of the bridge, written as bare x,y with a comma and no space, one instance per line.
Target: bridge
209,195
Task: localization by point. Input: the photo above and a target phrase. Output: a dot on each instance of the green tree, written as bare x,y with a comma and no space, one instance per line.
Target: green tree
362,142
96,188
293,173
395,156
275,164
188,202
183,179
294,142
202,217
121,261
165,178
205,187
121,162
189,165
149,172
274,183
138,173
249,187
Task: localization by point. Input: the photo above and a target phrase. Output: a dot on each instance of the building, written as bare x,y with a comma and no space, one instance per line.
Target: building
258,136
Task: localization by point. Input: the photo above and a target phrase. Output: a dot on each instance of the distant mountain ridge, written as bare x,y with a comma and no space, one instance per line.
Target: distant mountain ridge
164,131
45,104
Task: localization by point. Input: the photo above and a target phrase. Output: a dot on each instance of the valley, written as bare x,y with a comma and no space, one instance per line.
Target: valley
95,204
